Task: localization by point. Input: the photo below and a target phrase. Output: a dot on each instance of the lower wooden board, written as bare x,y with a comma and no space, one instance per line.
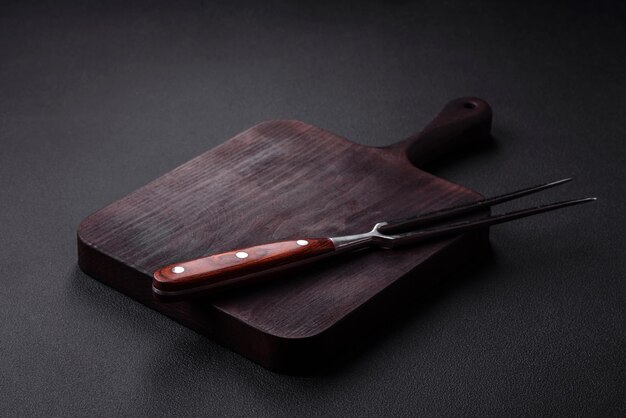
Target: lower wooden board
282,180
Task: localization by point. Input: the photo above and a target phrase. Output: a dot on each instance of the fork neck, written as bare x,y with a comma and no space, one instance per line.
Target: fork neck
355,242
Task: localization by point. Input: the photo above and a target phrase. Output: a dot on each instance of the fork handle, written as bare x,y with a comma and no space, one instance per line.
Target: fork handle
208,275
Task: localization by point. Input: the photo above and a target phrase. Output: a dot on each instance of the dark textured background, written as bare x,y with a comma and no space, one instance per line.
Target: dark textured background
98,100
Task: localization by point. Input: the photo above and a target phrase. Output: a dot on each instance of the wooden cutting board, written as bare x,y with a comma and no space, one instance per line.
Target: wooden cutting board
281,180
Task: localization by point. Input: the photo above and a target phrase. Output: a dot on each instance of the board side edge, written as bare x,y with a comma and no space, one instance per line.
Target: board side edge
307,355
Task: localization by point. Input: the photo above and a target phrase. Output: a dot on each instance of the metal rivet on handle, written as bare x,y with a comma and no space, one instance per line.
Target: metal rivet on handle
178,269
241,254
302,242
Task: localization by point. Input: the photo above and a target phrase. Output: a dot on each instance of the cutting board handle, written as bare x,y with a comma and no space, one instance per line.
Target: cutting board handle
461,124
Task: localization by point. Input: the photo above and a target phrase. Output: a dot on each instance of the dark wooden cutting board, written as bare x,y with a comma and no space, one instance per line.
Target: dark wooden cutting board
281,180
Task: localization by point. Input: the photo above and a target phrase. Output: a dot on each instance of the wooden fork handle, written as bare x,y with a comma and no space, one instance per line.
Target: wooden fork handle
207,275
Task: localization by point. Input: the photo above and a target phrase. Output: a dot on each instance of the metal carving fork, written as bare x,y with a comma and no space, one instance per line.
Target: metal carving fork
207,275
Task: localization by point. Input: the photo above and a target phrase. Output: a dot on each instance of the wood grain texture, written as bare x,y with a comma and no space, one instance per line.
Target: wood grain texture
219,272
282,180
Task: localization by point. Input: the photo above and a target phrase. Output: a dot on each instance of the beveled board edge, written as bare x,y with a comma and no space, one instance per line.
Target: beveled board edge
280,354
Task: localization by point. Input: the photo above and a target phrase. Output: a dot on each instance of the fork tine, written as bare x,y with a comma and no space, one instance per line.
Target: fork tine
398,225
460,227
